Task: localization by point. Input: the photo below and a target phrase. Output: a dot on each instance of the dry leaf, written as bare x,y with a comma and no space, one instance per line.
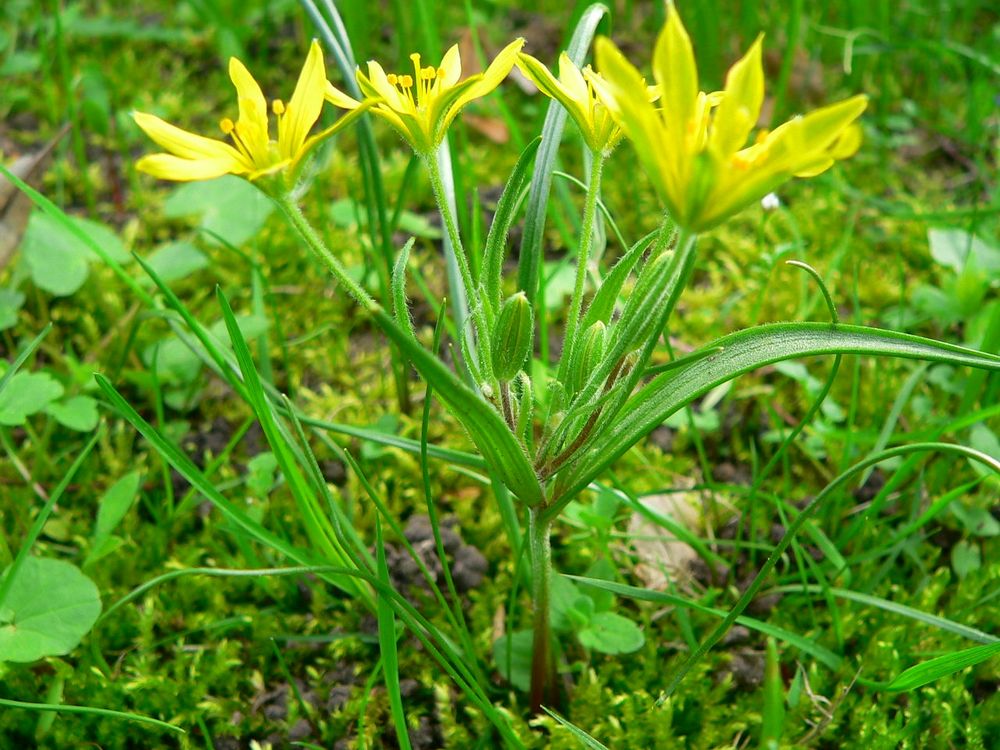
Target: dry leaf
662,557
15,206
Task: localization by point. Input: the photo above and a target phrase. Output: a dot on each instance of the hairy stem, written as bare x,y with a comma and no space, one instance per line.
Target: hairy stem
582,259
543,673
315,243
460,299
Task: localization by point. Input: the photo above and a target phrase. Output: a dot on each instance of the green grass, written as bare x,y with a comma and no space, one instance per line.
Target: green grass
218,606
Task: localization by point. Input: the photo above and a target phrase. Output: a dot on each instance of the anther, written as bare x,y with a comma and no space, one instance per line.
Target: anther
226,125
406,81
392,78
278,107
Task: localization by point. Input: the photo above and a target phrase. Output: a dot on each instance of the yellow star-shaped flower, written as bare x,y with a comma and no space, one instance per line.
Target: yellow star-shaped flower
695,147
574,90
421,106
252,153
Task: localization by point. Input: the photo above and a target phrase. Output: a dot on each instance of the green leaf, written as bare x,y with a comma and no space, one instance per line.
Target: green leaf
954,248
33,627
982,438
942,666
11,301
260,473
58,258
228,206
77,412
487,429
743,352
175,260
806,645
111,509
514,649
610,633
965,558
27,393
585,739
496,239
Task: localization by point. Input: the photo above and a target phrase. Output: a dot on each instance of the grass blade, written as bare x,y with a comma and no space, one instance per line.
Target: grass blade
942,666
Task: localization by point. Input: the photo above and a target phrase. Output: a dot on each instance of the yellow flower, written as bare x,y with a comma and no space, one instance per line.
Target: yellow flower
574,90
421,106
695,148
252,152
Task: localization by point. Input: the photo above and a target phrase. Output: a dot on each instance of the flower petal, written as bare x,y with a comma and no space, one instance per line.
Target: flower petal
677,75
170,167
451,67
184,144
740,106
622,90
338,98
252,122
572,80
490,79
305,105
577,108
377,84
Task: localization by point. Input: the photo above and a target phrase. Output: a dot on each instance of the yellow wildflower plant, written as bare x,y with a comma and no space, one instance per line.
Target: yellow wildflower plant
252,153
421,106
574,90
695,147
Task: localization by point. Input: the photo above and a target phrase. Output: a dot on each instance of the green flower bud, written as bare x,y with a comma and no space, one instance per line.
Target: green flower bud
642,310
512,336
587,356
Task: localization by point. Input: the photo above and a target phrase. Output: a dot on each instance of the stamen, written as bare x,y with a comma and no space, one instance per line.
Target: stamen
226,125
278,107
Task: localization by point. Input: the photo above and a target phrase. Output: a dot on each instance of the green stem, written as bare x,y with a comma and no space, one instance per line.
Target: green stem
582,259
460,299
543,687
323,253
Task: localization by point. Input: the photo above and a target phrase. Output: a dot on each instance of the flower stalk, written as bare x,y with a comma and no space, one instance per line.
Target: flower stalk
543,671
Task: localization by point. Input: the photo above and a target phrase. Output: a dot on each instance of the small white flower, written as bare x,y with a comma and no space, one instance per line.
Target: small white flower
770,202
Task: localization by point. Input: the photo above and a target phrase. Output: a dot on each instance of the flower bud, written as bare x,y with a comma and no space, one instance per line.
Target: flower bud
642,309
512,336
586,356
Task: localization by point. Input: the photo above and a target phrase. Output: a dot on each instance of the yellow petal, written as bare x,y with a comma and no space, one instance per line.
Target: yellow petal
572,80
377,84
451,67
170,167
741,102
305,105
848,143
252,122
338,98
821,127
491,78
676,73
622,90
184,144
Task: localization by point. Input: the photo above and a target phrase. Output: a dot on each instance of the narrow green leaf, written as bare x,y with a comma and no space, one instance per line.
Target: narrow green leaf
496,239
387,644
399,307
487,429
585,739
743,352
942,666
802,643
